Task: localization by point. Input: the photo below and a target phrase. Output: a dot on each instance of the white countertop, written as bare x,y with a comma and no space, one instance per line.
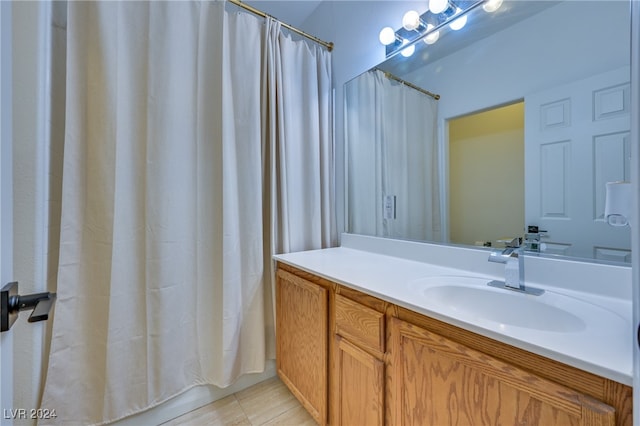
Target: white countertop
603,347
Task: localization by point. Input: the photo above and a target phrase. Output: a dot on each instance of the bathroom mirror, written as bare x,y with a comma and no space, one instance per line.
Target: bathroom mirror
533,120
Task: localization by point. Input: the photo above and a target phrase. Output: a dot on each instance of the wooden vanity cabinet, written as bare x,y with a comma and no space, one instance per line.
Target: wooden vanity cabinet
436,381
352,359
357,371
302,341
589,388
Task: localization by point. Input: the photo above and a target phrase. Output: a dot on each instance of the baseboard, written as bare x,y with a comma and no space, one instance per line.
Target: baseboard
195,398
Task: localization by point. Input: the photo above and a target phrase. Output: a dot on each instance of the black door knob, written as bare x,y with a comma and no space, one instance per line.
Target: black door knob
11,304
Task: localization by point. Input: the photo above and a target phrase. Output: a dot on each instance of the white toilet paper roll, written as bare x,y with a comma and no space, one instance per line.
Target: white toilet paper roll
617,206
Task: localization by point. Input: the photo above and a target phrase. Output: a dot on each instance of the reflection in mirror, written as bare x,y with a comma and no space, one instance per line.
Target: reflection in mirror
570,80
393,168
486,172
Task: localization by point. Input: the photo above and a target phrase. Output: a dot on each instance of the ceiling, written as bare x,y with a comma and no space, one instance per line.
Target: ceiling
293,12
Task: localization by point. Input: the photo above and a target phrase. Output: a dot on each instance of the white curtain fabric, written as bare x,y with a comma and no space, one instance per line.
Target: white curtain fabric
167,204
242,300
391,150
298,77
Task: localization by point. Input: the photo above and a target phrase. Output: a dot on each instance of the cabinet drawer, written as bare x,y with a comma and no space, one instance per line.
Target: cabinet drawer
359,323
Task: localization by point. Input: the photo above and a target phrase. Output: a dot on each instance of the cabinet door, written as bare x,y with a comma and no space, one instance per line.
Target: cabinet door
436,381
302,341
359,386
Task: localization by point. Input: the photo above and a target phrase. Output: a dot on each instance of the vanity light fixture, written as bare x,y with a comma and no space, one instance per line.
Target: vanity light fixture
388,36
451,13
411,21
438,6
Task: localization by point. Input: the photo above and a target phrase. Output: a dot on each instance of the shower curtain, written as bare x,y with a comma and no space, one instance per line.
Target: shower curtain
391,150
184,171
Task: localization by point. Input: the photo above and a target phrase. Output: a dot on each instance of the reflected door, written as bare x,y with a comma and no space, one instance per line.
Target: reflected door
567,129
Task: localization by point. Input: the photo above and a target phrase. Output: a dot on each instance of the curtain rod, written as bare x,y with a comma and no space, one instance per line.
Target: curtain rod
406,83
327,44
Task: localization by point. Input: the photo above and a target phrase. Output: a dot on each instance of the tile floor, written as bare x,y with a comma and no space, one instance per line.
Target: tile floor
266,403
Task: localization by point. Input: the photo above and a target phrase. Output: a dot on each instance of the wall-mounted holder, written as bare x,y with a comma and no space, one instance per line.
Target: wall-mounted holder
617,206
11,304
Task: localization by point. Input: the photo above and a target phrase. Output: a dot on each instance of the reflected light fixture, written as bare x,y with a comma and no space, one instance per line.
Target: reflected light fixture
438,6
433,37
460,22
407,51
492,5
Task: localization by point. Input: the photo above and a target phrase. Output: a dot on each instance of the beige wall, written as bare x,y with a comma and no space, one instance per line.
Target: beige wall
486,175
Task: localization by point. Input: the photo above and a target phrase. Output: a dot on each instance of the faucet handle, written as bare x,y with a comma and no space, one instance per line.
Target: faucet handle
513,243
510,242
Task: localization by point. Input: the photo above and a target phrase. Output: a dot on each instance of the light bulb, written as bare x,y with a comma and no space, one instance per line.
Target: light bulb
411,20
407,51
433,37
460,22
492,5
438,6
387,36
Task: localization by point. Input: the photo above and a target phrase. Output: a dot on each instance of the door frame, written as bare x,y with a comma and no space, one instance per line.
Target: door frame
6,202
635,184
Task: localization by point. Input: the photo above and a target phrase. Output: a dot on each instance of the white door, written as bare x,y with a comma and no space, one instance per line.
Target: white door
6,207
577,138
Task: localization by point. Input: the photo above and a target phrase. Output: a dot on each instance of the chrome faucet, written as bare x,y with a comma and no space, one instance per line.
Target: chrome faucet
513,258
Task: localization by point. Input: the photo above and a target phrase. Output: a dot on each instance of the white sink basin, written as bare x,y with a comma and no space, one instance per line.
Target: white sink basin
470,299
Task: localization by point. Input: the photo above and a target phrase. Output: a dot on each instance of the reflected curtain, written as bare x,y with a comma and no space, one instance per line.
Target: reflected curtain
172,176
392,150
